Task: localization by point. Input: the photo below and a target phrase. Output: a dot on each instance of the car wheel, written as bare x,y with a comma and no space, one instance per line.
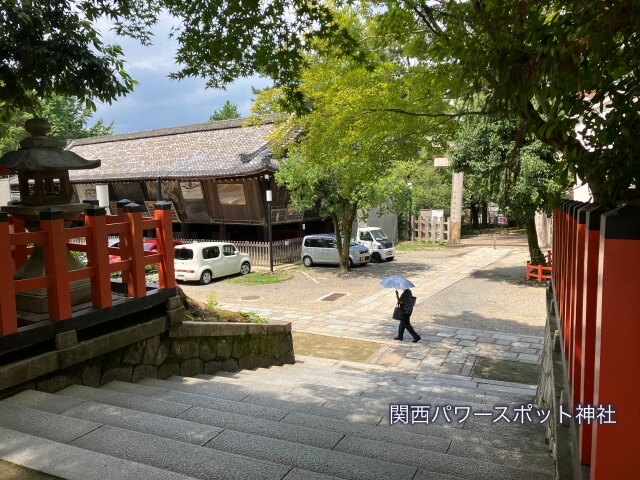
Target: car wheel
350,263
307,261
375,257
245,268
206,277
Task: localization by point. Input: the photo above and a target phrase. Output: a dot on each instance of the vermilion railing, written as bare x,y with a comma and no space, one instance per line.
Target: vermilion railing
128,223
539,272
596,287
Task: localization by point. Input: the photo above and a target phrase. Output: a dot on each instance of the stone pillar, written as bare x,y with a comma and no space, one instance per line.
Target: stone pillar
456,207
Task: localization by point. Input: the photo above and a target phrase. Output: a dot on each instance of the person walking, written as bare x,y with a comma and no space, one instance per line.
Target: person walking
406,301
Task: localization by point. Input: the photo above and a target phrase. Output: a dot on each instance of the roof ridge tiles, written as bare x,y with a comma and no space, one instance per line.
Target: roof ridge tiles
161,132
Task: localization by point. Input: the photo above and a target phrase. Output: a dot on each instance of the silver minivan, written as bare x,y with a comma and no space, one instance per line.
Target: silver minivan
323,249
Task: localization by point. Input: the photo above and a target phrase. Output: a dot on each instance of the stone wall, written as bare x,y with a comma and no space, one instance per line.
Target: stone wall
158,348
552,391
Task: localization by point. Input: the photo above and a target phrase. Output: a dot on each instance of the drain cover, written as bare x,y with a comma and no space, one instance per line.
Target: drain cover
250,297
332,297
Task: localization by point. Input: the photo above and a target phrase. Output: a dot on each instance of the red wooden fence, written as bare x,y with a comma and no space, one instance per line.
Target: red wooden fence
55,239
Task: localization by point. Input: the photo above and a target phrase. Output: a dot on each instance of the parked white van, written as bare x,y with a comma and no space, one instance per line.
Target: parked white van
324,249
205,261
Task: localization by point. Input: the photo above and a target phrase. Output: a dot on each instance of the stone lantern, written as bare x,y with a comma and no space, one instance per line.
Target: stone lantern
43,174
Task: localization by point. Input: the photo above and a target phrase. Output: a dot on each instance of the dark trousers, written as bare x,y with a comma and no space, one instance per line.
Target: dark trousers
406,323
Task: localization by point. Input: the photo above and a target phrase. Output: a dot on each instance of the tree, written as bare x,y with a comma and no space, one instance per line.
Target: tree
341,154
54,47
68,119
567,69
519,183
228,111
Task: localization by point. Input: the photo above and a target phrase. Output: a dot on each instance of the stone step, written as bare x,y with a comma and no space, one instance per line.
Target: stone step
179,457
441,396
319,417
344,379
162,426
333,394
70,462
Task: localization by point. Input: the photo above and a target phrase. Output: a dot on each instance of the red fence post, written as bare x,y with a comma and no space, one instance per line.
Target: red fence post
55,264
134,247
164,234
588,320
98,256
8,314
20,251
575,362
615,446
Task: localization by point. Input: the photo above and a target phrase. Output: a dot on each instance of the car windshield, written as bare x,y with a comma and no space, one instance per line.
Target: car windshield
379,235
148,246
183,254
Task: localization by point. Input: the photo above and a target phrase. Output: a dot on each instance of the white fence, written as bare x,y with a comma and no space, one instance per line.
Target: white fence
284,251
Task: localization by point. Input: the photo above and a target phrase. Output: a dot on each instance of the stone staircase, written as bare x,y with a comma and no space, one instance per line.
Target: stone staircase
317,419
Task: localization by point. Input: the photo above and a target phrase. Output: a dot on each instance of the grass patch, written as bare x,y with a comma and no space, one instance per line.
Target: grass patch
505,370
209,312
336,348
417,246
261,278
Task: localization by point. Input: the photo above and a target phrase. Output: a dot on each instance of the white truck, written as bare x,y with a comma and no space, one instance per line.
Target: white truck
379,245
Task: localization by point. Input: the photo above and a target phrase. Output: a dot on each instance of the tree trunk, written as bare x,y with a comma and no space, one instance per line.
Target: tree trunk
343,223
475,223
537,258
485,215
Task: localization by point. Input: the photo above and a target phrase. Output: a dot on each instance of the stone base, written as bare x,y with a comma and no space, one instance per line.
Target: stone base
36,301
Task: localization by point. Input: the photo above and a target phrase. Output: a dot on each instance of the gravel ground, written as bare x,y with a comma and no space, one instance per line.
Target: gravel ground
496,298
309,285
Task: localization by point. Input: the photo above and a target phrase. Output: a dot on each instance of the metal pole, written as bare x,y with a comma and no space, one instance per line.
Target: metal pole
159,189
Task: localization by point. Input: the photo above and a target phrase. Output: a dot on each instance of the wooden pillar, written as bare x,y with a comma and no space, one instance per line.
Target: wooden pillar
98,256
575,361
164,235
573,288
588,340
8,314
133,241
55,264
615,446
20,251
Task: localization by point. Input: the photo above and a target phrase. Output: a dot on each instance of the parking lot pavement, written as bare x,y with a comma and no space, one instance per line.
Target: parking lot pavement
472,301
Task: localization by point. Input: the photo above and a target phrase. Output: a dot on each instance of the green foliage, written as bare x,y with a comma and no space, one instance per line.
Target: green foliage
53,48
503,168
564,68
228,111
67,116
363,121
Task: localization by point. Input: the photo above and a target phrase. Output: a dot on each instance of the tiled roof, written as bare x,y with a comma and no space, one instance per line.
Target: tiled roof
204,150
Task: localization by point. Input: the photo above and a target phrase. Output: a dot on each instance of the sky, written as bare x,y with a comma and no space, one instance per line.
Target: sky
158,102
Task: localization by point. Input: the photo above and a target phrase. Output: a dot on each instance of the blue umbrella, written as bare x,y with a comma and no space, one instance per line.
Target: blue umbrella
396,281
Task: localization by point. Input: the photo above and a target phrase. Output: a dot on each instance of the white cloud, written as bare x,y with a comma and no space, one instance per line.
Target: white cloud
158,102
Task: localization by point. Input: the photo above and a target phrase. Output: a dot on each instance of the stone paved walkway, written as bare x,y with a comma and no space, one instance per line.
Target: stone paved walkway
443,349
